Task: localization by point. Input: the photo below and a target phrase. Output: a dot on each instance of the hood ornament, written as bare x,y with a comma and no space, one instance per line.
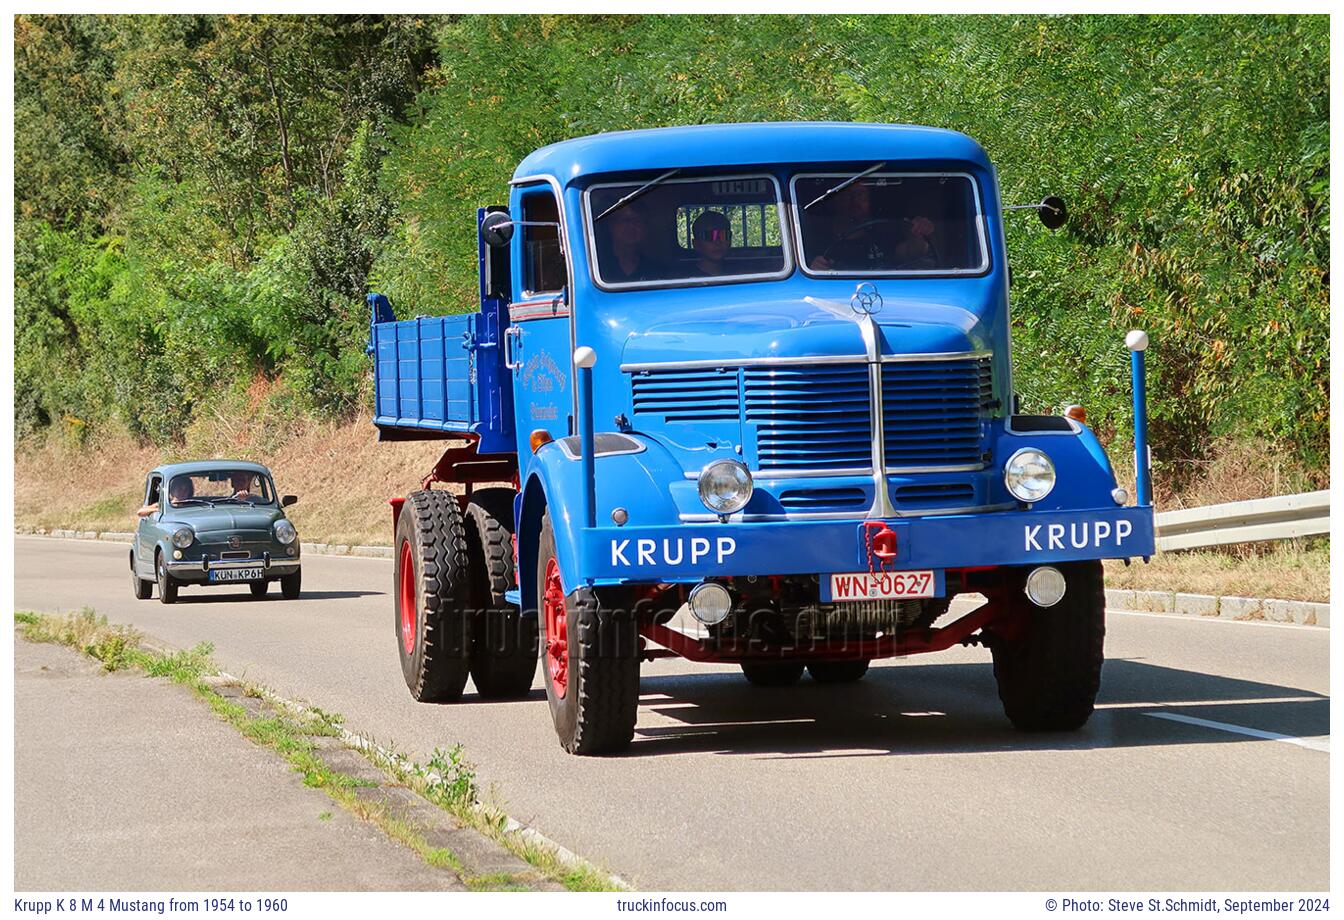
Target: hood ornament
866,301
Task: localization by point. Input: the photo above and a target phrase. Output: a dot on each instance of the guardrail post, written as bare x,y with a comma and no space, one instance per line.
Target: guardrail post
1137,343
584,359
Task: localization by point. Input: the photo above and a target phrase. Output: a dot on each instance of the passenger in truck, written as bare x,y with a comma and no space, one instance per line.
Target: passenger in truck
862,242
711,236
628,235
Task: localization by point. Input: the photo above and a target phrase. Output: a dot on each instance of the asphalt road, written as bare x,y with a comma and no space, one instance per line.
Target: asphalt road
909,780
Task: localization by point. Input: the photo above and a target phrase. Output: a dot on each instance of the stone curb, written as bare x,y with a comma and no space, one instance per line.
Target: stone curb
1228,607
1250,609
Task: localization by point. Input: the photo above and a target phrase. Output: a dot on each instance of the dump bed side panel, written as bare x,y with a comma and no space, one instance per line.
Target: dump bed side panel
425,374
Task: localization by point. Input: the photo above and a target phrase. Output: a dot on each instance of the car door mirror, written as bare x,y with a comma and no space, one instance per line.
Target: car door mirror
287,500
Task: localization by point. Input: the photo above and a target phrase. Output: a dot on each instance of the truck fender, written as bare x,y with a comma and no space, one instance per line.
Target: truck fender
1085,477
636,482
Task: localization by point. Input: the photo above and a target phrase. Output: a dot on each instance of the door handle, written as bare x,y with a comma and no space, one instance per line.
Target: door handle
510,334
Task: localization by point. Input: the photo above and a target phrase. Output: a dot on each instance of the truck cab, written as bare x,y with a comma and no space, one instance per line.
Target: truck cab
748,389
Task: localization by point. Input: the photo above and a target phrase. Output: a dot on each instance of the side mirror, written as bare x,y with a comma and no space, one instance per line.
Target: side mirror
1052,212
497,229
287,500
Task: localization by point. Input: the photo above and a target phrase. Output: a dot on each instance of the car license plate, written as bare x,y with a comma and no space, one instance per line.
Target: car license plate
249,574
868,586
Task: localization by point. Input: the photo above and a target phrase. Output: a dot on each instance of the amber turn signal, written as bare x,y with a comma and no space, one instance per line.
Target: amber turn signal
1077,413
539,437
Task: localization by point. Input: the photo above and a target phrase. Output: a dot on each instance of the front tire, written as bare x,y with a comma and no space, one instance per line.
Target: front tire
589,658
290,585
1049,672
503,642
167,585
431,595
258,588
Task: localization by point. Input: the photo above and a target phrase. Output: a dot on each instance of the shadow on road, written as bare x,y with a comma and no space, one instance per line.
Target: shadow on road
271,596
953,709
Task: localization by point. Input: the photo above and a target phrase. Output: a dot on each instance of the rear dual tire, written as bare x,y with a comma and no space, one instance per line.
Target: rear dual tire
503,642
430,588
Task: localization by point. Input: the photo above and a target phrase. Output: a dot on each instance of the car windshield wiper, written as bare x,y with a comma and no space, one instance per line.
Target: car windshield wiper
230,498
843,185
637,192
199,501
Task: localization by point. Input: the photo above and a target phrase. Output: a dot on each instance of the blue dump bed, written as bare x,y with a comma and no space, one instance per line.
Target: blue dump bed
439,376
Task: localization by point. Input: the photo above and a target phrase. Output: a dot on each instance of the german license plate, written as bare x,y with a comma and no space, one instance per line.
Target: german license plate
868,586
249,574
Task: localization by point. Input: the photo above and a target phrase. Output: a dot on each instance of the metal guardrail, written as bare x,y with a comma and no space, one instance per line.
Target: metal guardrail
1278,518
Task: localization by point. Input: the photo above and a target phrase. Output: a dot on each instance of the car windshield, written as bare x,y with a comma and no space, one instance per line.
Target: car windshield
227,486
687,231
889,223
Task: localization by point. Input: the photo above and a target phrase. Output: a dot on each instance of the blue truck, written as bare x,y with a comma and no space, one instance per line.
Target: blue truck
744,393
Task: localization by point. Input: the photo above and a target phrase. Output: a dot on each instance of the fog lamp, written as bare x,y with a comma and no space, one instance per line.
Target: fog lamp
710,603
1045,586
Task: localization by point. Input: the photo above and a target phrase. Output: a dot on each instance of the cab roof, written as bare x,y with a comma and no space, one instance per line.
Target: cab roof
168,470
737,145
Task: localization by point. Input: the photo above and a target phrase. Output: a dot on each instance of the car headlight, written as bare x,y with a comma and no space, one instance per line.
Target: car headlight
725,486
1029,475
285,532
182,537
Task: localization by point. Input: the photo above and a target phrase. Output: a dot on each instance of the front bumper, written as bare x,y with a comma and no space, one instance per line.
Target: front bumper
690,552
198,570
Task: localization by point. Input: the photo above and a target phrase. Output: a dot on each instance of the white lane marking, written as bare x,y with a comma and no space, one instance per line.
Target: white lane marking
1189,618
1311,744
1246,702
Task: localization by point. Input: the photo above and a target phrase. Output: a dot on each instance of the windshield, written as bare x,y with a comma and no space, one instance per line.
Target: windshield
890,223
688,231
222,486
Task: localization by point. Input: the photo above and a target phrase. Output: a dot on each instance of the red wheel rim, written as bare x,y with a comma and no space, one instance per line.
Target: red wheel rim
406,598
557,630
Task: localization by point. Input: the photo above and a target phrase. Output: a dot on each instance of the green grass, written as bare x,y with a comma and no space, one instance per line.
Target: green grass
448,779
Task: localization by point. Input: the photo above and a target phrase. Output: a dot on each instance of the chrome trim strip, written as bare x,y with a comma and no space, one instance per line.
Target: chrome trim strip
882,504
956,468
939,356
953,272
842,515
714,364
773,475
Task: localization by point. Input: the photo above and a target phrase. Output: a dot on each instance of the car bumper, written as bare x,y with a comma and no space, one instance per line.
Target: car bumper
690,552
199,570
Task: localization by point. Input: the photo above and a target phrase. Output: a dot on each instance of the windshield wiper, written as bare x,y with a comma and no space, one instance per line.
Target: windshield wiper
199,501
844,185
230,498
637,192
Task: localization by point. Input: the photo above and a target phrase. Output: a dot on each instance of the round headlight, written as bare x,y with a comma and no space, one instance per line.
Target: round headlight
285,532
182,537
725,486
1029,475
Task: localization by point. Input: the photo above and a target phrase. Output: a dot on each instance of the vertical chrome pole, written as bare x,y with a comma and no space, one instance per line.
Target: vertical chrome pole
1137,343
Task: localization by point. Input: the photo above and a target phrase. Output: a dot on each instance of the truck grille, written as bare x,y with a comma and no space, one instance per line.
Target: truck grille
933,410
813,418
817,416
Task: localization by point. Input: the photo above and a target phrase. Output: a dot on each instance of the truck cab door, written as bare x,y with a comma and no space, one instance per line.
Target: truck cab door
538,344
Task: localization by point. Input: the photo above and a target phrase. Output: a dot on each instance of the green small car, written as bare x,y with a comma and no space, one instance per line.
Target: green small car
214,522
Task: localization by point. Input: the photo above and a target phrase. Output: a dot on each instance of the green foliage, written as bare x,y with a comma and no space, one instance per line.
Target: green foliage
228,187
